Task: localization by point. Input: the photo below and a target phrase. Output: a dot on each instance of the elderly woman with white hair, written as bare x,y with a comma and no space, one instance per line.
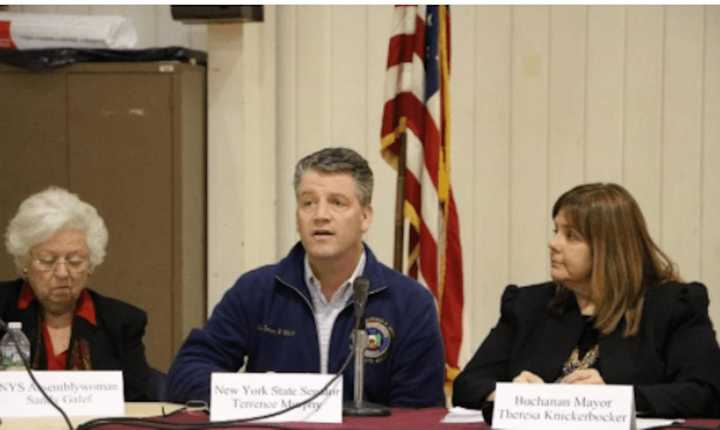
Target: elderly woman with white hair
57,240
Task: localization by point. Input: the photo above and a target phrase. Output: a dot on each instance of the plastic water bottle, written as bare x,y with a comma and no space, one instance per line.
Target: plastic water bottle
11,360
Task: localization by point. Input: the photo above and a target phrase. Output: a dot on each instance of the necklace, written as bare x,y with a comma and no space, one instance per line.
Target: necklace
573,362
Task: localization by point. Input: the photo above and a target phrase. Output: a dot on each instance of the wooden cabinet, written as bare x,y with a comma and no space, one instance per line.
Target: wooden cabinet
129,138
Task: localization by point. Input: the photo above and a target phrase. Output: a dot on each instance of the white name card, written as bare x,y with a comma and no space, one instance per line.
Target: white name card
563,407
245,395
78,393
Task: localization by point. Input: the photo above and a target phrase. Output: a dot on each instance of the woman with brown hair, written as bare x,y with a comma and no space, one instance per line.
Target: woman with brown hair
615,313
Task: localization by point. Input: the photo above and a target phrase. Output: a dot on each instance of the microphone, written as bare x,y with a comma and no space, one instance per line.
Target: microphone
361,286
358,406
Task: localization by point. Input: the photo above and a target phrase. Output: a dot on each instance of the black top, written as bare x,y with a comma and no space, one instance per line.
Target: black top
588,337
115,342
672,361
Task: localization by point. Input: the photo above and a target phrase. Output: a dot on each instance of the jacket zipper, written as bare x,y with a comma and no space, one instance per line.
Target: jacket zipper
309,305
317,329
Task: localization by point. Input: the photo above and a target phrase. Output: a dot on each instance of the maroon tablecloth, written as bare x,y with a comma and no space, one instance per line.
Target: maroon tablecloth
401,419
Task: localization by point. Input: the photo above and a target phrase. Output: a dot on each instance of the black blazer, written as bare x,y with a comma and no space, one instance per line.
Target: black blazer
673,362
115,342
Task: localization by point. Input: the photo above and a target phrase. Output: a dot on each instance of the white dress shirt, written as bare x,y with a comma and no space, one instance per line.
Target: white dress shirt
325,311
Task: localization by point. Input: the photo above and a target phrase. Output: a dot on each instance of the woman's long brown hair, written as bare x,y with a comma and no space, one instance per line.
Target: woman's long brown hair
625,259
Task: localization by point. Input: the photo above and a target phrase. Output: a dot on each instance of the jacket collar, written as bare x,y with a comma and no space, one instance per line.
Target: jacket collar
85,307
291,270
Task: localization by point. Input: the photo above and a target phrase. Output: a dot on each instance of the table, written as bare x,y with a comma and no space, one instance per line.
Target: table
132,409
401,419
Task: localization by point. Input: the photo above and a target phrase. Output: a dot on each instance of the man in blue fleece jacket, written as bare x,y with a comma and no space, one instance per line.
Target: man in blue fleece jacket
296,315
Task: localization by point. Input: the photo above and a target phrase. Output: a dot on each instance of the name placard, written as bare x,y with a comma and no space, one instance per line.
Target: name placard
79,393
564,407
245,395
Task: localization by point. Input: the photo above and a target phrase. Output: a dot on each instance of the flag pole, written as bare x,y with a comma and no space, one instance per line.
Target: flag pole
399,204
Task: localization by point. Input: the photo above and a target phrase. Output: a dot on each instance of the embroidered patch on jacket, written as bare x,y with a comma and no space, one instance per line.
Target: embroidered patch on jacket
380,336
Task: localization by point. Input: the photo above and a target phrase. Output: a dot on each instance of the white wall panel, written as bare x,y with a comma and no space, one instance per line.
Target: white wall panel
379,19
682,136
529,144
227,248
348,80
198,35
463,139
643,110
566,122
710,204
313,69
259,137
106,10
605,85
76,9
42,8
286,125
241,152
489,269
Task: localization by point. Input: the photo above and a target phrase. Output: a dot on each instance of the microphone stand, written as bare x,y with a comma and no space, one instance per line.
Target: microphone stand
358,406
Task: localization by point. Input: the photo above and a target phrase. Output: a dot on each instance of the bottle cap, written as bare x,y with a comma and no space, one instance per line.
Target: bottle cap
15,325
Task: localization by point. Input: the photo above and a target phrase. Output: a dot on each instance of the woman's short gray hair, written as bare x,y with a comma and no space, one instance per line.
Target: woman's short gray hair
43,214
339,160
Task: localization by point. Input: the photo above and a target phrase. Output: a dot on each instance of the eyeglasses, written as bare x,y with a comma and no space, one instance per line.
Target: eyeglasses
75,264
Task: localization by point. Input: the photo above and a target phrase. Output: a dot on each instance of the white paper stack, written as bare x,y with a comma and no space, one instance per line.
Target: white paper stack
35,31
462,415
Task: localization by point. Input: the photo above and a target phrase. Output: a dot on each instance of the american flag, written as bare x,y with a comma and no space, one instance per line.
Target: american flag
417,104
